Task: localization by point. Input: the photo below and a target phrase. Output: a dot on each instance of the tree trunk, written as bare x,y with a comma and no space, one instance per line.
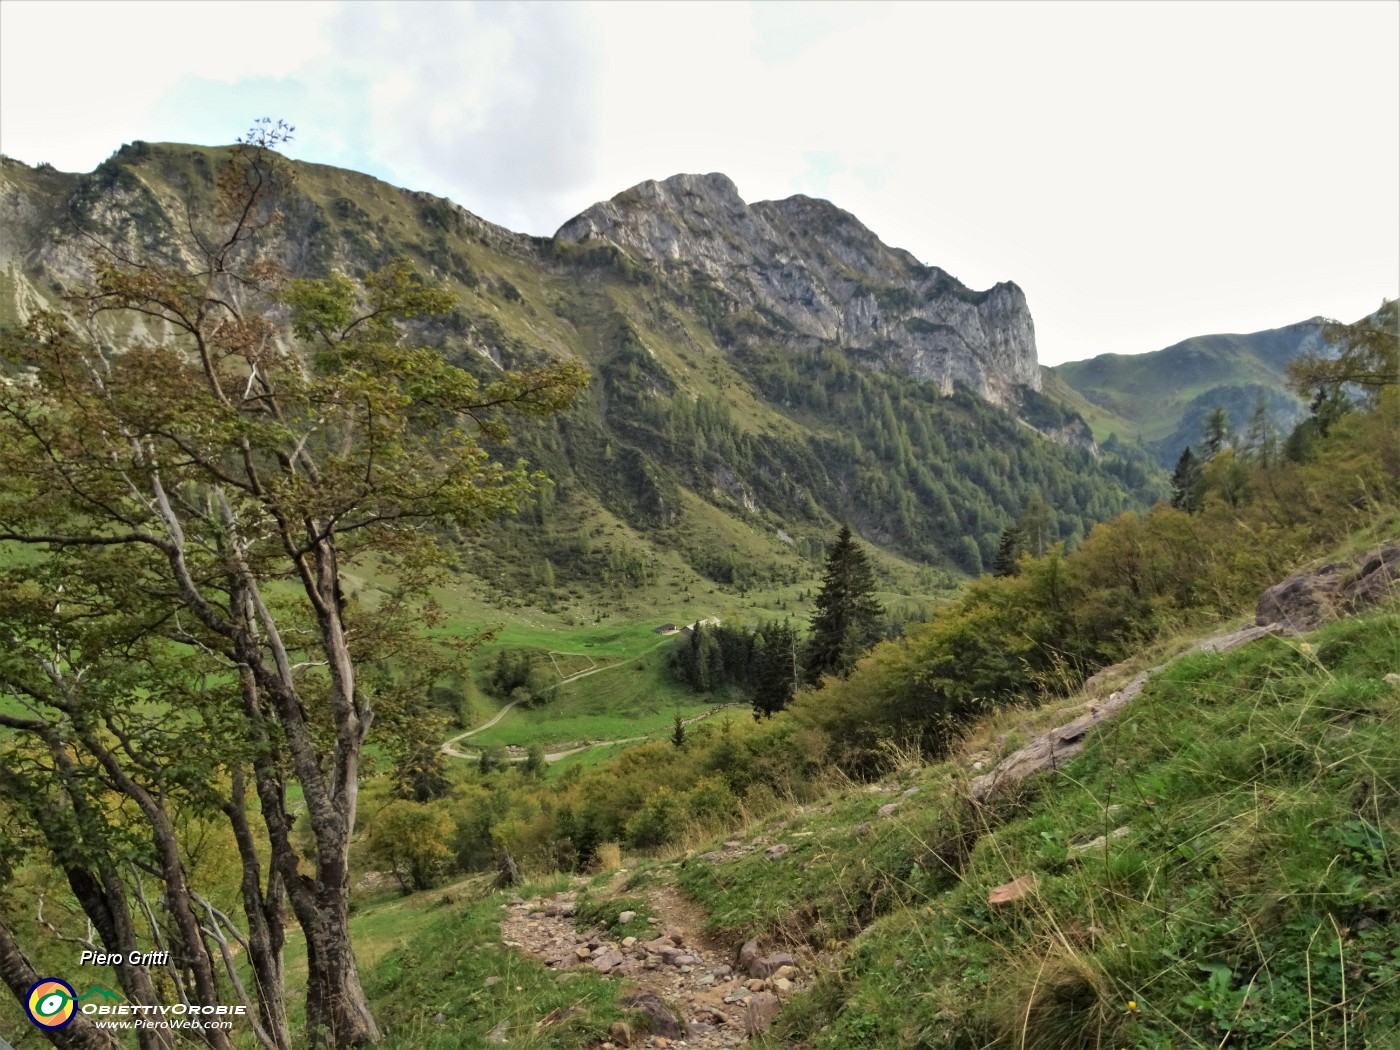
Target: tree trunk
19,977
178,900
105,904
337,1011
99,889
264,913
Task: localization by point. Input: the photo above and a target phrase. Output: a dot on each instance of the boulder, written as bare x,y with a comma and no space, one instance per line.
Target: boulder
660,1019
762,1010
771,964
1309,599
607,962
748,954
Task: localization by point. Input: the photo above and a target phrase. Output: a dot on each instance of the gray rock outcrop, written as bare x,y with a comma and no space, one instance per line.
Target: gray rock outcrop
815,274
1309,599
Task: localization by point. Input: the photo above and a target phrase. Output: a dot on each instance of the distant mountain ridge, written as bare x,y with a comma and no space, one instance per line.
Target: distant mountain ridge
1163,397
761,372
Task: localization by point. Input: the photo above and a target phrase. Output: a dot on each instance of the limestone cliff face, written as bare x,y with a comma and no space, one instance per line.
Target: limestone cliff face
819,276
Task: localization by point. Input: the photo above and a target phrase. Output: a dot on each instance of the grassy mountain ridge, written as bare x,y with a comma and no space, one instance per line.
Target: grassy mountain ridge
1162,398
704,420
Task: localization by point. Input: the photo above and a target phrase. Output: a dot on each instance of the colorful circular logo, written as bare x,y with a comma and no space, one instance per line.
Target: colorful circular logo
51,1003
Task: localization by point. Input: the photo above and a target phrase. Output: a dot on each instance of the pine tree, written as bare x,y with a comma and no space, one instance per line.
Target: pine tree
1217,431
1036,524
1186,482
1009,551
778,672
1261,437
847,618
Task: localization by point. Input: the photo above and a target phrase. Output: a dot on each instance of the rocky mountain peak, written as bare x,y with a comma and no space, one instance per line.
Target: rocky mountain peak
818,276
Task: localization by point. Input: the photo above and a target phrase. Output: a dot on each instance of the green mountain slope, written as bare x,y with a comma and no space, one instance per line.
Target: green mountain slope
1162,398
722,439
1216,867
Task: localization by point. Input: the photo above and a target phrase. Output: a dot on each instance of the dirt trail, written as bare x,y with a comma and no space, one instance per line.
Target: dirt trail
692,992
555,756
450,750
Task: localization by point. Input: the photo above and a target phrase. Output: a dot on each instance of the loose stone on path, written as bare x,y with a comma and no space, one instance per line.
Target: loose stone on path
682,991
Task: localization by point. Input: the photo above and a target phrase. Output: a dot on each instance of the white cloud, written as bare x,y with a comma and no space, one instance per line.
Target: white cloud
77,79
1145,171
493,102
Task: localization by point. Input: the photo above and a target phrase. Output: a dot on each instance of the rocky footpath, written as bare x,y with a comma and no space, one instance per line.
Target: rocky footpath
686,992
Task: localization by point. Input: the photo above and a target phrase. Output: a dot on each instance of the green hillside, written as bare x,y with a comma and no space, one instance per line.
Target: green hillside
1161,399
711,449
394,745
1218,867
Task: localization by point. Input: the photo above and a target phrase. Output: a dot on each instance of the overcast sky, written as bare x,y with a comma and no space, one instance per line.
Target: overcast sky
1146,172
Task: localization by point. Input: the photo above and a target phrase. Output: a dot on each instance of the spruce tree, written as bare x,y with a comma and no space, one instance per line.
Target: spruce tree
1187,482
1009,550
847,618
778,671
1037,524
1261,437
1217,431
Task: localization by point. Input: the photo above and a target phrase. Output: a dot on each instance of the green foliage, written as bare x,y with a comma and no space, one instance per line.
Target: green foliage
942,470
777,668
422,775
699,660
1217,436
1217,867
847,618
1364,357
1187,482
650,796
1010,640
519,676
410,840
535,762
1009,550
658,821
